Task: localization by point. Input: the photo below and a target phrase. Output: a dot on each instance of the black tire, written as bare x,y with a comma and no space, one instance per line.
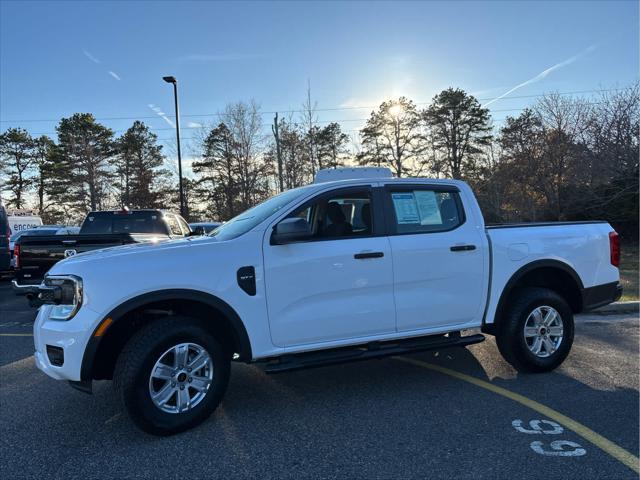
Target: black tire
134,365
510,331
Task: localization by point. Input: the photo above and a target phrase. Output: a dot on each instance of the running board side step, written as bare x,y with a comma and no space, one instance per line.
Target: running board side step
368,351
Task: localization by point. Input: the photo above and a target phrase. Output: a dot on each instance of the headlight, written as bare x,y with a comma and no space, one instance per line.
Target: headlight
64,292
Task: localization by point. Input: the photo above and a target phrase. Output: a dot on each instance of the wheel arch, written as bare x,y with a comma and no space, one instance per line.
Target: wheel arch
127,318
552,274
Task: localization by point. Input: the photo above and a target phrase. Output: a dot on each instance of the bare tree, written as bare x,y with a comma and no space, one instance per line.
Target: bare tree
244,122
276,135
565,161
309,120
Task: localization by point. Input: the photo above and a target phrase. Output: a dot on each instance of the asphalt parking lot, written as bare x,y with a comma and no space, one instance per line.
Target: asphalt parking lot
457,413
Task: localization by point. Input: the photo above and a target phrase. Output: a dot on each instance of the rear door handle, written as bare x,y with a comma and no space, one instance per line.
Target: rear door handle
462,248
360,256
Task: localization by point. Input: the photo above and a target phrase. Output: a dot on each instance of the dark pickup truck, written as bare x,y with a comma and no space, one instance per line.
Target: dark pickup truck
35,255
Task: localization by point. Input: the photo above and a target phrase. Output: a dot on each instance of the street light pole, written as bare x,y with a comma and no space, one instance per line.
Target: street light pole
175,98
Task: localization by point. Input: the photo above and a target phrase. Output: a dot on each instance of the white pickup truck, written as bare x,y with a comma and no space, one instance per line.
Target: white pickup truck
355,266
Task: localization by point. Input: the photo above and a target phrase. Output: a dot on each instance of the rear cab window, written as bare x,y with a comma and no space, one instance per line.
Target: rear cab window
423,209
149,222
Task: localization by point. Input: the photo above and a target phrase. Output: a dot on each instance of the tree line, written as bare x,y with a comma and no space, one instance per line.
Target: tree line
88,168
563,158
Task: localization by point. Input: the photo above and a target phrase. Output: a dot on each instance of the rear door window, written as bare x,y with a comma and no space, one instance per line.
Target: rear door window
424,210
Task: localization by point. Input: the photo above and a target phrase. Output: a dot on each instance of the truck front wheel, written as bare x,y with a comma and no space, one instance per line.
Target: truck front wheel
171,375
536,332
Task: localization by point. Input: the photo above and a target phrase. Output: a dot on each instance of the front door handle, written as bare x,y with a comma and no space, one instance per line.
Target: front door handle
360,256
462,248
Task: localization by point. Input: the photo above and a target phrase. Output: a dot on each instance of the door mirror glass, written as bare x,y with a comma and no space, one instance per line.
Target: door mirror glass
290,230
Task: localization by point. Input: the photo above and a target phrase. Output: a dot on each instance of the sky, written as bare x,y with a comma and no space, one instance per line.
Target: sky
108,58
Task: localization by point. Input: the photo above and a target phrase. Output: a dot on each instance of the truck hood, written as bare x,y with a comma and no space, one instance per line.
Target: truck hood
170,247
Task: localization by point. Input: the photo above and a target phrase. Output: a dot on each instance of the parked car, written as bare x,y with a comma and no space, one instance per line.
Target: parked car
204,228
5,234
35,255
355,266
35,231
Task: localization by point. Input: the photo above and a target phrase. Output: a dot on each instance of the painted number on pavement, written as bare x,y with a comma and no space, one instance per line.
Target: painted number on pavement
557,448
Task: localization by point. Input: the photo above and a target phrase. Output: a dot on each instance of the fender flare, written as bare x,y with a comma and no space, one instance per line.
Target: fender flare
522,271
237,326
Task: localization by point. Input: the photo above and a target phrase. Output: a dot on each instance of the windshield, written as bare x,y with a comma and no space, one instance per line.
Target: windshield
247,220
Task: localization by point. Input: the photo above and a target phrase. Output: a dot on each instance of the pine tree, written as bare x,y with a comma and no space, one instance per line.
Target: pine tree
137,164
85,147
16,162
460,129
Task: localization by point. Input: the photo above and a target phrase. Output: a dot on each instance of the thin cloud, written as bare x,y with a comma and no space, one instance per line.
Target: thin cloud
90,57
96,60
363,103
544,73
217,57
161,114
194,125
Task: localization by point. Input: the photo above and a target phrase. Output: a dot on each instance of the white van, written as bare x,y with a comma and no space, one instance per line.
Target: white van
22,220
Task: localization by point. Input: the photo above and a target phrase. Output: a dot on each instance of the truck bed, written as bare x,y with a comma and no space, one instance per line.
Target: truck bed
580,248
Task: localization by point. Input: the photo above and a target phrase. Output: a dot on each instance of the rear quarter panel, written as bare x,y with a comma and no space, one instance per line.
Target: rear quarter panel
583,247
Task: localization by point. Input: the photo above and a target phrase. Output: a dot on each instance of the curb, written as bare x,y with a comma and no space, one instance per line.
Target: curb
619,307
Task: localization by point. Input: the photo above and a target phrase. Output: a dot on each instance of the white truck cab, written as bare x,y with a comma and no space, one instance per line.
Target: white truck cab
355,266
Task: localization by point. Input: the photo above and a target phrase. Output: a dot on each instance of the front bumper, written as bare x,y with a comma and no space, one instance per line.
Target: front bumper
24,288
72,336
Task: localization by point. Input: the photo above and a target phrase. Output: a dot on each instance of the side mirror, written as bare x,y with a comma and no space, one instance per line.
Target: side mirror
290,230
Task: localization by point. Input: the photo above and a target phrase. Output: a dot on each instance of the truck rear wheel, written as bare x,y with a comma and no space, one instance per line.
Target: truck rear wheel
536,332
171,375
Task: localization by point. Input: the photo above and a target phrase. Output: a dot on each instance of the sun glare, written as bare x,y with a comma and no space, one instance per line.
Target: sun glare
396,110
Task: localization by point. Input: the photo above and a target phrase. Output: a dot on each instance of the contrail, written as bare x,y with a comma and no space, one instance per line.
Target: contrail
90,57
544,73
161,114
114,75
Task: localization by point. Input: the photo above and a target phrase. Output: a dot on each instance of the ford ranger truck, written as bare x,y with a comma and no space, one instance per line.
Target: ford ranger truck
355,266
